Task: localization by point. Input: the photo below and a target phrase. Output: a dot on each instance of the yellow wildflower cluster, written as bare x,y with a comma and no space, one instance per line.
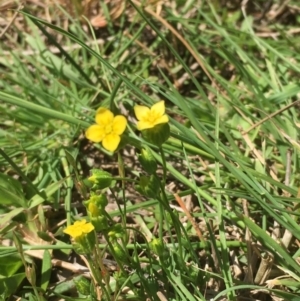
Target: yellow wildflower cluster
109,128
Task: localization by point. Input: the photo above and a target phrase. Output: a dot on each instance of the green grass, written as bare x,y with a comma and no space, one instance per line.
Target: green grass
243,184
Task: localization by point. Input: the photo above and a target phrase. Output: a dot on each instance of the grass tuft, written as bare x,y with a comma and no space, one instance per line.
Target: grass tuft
211,213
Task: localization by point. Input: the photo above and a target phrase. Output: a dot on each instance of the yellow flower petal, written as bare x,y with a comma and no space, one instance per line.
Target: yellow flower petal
143,125
149,118
80,223
119,124
74,230
95,133
74,233
158,109
69,230
141,112
87,228
162,119
111,142
104,116
108,129
79,228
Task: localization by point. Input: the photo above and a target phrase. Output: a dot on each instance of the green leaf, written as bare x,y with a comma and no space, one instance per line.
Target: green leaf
9,216
9,285
11,192
63,245
46,270
9,265
51,189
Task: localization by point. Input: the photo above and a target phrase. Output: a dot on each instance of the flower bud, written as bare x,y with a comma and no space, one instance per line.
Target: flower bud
119,252
100,178
148,186
96,211
100,222
158,134
83,285
116,231
147,160
157,246
96,204
31,274
93,210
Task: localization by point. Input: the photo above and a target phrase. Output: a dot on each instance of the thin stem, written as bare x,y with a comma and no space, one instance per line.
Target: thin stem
122,174
99,261
120,264
97,276
164,163
22,174
164,201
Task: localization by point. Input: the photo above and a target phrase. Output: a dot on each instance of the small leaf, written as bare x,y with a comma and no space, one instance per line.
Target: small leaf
51,189
9,265
11,191
19,247
9,285
70,159
66,251
44,236
46,270
41,215
9,216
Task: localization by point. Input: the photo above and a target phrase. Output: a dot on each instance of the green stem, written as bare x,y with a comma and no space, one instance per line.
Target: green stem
196,245
164,201
22,174
122,174
164,164
14,100
161,221
126,179
99,262
113,106
120,264
69,181
97,276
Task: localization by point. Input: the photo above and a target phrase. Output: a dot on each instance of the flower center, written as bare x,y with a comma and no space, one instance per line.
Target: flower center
152,117
77,231
108,129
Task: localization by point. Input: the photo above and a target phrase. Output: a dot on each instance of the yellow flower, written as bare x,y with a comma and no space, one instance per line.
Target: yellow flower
150,117
79,229
107,130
